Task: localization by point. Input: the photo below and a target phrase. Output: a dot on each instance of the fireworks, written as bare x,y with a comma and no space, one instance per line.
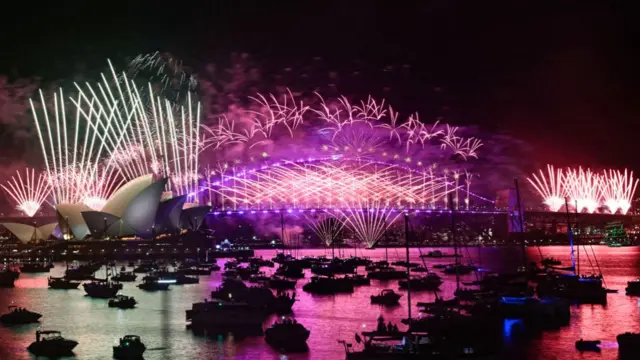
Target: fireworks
327,228
586,190
29,193
368,220
368,129
550,187
329,183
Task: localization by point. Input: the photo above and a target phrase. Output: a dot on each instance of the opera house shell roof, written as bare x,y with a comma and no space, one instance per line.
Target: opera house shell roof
133,210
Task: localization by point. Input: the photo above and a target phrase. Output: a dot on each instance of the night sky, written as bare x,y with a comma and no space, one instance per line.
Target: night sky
560,75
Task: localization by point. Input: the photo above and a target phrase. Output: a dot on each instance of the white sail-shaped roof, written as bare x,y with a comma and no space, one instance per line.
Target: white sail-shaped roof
120,200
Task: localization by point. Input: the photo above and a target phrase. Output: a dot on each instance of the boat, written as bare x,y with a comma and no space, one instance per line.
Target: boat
259,278
123,302
62,283
145,267
51,343
34,268
405,264
386,297
280,283
18,315
288,271
588,345
633,287
550,261
328,285
125,276
154,283
225,316
420,269
358,280
7,279
387,274
438,254
102,288
287,336
182,279
197,270
581,289
430,282
129,347
82,272
628,346
375,344
382,264
459,269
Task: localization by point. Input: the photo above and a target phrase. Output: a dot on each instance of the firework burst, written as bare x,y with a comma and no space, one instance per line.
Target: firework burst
29,192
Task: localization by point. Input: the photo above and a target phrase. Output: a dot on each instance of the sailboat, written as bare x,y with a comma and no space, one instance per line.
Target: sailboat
413,345
102,288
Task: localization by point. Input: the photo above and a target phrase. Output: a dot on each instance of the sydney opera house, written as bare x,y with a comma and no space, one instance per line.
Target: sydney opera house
138,210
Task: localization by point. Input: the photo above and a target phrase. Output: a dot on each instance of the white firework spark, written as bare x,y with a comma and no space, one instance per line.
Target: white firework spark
29,192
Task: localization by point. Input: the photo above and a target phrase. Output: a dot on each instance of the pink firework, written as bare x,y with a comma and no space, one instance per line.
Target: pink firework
583,187
617,189
29,193
550,186
328,184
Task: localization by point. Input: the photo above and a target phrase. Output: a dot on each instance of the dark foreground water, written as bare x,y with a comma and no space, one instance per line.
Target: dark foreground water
160,317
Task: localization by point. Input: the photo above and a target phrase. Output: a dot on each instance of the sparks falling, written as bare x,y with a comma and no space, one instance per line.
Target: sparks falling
29,192
585,190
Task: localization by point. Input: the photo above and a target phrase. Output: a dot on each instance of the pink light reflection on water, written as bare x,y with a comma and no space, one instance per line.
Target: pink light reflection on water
160,318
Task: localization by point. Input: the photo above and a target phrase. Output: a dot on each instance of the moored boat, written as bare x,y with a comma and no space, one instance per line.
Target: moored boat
386,297
51,343
123,302
153,283
19,315
62,283
287,336
129,347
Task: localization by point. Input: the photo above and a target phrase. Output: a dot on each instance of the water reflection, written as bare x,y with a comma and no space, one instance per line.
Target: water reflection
160,316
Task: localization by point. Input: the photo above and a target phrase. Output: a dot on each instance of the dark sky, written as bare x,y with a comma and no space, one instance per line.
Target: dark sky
561,75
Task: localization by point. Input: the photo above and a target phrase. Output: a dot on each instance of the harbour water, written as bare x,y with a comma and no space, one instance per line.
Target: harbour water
160,316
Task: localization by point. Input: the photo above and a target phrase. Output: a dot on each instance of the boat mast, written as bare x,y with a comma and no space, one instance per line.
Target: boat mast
455,242
570,235
578,241
521,223
406,243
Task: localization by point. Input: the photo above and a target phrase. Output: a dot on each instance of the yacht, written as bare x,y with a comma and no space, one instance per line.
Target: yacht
287,336
153,283
633,287
34,268
386,297
51,343
438,254
123,302
430,282
294,272
328,285
129,347
588,345
358,280
125,276
19,316
225,316
459,269
280,283
102,288
62,283
7,278
387,274
628,345
550,261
